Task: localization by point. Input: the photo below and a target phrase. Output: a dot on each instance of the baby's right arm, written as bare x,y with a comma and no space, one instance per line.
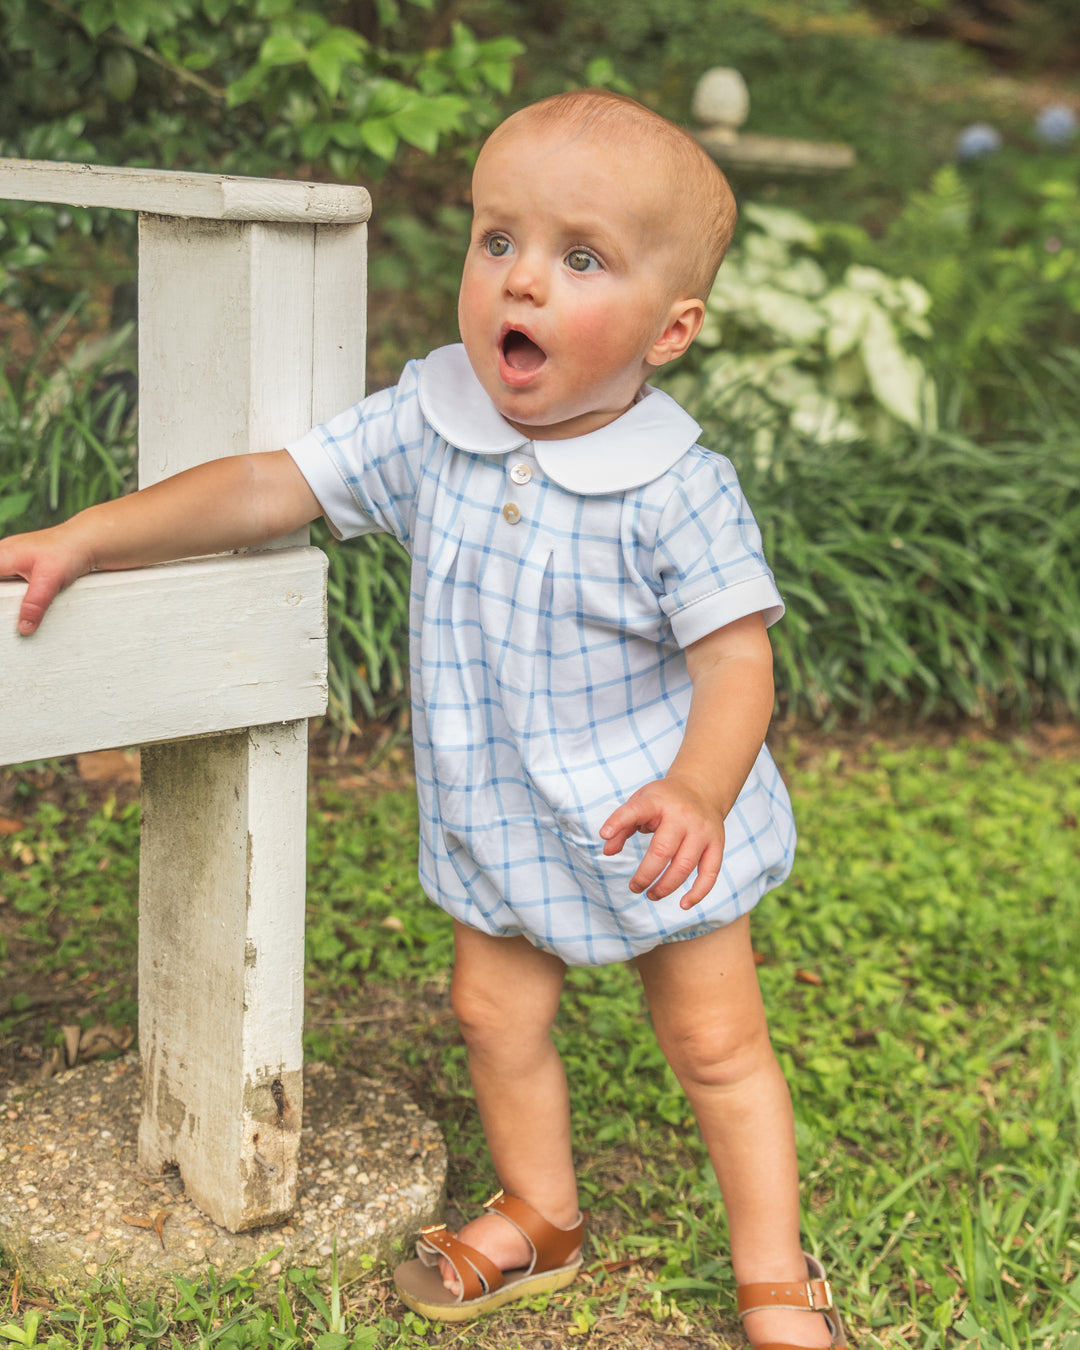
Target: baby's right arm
216,507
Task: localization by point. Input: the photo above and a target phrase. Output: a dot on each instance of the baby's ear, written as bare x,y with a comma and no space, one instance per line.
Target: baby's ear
684,320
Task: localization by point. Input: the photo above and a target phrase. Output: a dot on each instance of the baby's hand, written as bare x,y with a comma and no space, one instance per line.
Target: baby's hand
49,560
688,832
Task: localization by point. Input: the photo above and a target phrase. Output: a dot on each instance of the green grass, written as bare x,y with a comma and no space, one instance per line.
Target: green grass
921,972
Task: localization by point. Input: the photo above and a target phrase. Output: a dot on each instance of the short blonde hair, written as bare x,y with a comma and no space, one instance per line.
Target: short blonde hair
702,205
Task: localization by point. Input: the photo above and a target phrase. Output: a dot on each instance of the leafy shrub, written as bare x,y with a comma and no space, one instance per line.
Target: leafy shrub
246,85
238,86
787,348
929,572
67,432
368,618
996,243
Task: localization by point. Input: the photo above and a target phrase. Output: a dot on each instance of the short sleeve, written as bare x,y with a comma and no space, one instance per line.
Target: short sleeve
364,464
709,556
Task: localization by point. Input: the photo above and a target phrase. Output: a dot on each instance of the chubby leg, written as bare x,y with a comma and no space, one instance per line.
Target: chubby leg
505,994
709,1018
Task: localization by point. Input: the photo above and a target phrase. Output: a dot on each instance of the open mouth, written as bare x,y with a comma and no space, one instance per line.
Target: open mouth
521,353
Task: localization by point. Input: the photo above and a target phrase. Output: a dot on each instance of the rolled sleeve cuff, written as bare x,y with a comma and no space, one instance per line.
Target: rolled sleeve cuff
338,501
724,605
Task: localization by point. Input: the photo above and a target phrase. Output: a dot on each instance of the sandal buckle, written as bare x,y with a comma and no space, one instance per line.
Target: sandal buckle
433,1228
811,1297
492,1198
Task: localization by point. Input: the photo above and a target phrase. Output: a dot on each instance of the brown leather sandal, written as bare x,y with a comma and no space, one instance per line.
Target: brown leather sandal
813,1295
483,1286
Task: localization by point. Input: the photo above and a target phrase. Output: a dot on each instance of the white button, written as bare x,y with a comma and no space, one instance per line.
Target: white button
521,473
511,513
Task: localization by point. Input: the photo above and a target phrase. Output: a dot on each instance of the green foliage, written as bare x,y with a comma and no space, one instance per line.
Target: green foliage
73,887
245,1311
368,613
788,348
929,572
367,917
262,82
823,70
67,429
996,243
239,86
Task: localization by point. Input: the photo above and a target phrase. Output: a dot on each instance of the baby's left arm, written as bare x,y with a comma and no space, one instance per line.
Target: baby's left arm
731,671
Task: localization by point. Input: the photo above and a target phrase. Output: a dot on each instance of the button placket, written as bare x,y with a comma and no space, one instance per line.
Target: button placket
520,474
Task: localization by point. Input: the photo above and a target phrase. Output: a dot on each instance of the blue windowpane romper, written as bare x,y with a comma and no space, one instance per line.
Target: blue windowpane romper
555,585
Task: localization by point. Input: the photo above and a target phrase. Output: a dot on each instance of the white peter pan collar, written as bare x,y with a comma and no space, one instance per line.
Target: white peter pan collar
646,441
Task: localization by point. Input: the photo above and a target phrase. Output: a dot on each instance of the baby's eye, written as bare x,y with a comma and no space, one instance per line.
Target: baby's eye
497,245
581,260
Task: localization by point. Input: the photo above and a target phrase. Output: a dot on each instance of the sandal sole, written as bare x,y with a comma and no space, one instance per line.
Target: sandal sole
426,1287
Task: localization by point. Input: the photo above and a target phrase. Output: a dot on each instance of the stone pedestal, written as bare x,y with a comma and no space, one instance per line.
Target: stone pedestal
75,1204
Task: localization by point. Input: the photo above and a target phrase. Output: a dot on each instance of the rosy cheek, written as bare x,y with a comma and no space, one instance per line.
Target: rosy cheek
586,324
471,301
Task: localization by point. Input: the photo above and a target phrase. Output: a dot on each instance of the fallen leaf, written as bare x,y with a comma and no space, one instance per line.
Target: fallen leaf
610,1267
10,826
156,1223
50,1064
808,977
104,1040
108,766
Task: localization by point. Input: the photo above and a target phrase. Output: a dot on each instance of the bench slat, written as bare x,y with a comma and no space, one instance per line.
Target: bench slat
166,192
161,653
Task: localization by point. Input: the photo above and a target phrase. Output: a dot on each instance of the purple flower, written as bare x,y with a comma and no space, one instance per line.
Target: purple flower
1056,124
976,140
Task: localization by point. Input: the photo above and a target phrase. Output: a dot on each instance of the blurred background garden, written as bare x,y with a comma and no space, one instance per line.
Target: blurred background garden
892,361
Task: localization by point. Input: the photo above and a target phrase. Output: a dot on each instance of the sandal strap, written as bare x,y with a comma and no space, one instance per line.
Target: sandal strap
795,1295
812,1295
551,1245
476,1274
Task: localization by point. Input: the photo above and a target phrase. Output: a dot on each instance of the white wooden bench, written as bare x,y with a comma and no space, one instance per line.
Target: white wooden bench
251,330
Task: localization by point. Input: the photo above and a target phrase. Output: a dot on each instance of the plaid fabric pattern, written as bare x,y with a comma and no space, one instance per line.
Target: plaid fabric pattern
548,676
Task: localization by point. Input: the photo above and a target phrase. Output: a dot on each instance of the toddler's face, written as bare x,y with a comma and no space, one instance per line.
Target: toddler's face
568,285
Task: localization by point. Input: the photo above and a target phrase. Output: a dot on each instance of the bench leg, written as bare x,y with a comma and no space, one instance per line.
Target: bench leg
221,939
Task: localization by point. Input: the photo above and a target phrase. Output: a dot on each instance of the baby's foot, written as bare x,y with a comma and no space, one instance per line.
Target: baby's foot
784,1326
501,1241
494,1237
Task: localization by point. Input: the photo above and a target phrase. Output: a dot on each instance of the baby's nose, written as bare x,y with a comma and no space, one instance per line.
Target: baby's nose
525,278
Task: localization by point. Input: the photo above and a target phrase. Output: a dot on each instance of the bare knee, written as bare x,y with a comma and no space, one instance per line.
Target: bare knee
717,1057
505,993
495,1021
482,1019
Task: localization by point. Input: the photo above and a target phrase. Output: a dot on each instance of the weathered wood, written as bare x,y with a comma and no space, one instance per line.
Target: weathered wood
340,323
163,192
128,658
251,328
221,940
228,315
225,340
